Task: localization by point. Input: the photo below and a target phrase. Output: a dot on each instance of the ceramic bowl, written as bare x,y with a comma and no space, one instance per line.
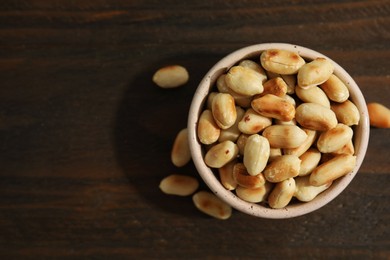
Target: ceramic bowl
210,176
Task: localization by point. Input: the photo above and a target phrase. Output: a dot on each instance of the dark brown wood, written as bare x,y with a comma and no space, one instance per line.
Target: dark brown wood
85,136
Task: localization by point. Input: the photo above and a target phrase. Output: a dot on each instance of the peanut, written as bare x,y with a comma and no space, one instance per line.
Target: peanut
309,161
314,73
282,194
379,115
208,131
281,61
304,191
211,205
226,175
313,95
180,185
256,154
315,117
298,151
180,154
282,168
254,195
273,106
252,122
346,113
232,133
241,176
171,76
224,110
335,89
244,81
334,139
284,136
332,169
220,154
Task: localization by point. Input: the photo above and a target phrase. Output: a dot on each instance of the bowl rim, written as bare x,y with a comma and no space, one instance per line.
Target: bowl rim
255,209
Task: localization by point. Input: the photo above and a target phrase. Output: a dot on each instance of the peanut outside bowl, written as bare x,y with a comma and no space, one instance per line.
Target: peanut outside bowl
361,135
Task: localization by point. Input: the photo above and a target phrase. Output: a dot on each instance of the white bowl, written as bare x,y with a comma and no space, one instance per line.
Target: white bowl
361,135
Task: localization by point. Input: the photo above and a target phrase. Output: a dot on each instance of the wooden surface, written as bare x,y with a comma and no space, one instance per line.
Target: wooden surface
85,136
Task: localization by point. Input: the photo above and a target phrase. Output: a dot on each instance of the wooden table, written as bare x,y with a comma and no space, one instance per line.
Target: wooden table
86,136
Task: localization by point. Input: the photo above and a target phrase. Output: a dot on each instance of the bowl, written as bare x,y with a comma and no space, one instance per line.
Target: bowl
361,134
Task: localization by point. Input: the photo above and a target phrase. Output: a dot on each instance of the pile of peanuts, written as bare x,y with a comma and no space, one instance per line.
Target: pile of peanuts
279,128
274,130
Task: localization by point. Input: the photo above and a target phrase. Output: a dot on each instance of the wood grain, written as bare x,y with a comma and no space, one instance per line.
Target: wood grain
86,135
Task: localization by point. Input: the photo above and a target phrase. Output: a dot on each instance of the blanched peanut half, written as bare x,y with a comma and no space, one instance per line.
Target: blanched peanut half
241,100
210,99
275,86
254,195
254,66
298,151
281,61
346,149
220,154
346,113
332,169
273,106
180,185
379,115
224,110
208,130
315,72
180,154
313,95
241,176
282,194
241,142
274,153
256,154
315,117
282,168
309,161
290,80
252,122
211,205
304,191
226,175
244,81
335,89
334,139
171,76
232,133
284,136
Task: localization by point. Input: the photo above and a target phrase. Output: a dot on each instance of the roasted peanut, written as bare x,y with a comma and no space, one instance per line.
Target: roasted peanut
282,194
211,205
304,191
379,115
180,154
208,130
226,175
254,195
180,185
290,80
171,76
224,110
232,133
256,154
315,117
333,169
298,151
313,95
273,106
335,89
220,154
241,176
346,149
309,161
282,168
275,86
281,61
334,139
252,122
346,113
284,136
244,81
254,66
315,72
241,100
210,99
